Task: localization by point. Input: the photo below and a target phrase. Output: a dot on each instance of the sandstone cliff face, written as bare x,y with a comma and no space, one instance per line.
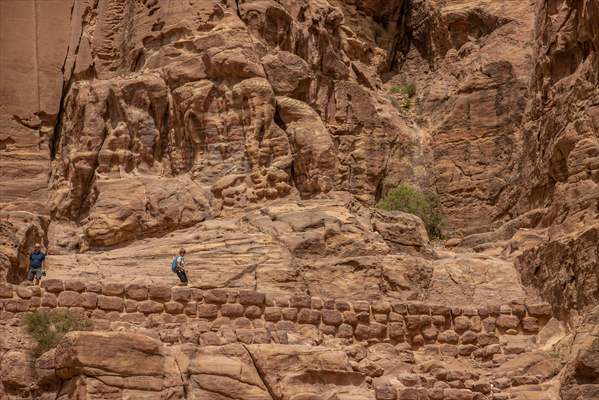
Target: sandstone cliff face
560,156
580,378
258,134
233,103
32,51
470,62
248,101
561,150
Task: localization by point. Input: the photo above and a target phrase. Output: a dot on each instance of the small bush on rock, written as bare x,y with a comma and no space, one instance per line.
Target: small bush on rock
424,205
47,328
408,90
405,92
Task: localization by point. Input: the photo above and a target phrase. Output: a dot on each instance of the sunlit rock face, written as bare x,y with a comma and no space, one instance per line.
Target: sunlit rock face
236,104
259,135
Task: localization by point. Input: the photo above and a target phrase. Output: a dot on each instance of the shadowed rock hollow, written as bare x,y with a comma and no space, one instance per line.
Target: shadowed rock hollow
260,135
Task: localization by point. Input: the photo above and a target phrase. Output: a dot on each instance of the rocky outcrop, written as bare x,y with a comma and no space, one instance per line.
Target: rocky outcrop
258,134
565,271
557,167
243,101
580,378
126,364
559,162
327,247
19,232
258,100
93,364
470,66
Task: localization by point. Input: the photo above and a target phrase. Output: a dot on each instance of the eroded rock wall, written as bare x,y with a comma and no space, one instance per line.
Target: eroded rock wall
257,100
561,137
248,345
581,374
237,102
560,155
234,128
470,64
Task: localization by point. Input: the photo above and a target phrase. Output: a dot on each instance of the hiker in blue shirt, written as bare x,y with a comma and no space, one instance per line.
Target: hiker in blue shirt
36,263
178,267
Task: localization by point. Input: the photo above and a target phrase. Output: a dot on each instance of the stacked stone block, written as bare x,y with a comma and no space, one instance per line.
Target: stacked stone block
253,317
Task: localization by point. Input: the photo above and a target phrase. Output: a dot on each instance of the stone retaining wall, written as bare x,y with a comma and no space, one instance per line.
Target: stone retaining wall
253,317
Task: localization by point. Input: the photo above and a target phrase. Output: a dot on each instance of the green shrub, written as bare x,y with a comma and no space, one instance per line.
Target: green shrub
48,328
404,102
408,90
424,205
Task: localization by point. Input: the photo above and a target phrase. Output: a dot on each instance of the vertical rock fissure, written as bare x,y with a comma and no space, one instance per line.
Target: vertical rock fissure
183,379
35,58
401,42
59,389
66,87
261,374
84,206
277,120
55,139
378,194
237,8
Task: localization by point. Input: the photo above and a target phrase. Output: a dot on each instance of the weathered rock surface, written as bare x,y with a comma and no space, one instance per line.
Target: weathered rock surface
19,232
564,180
304,372
565,270
215,372
258,135
480,280
470,64
581,373
131,365
326,247
239,103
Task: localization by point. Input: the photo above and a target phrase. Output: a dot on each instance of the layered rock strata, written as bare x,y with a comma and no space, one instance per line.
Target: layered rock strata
257,134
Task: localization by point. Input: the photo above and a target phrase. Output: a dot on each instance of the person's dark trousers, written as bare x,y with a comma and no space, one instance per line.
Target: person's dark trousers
182,275
34,273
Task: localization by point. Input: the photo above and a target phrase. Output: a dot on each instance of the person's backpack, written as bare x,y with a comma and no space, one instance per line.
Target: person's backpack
174,264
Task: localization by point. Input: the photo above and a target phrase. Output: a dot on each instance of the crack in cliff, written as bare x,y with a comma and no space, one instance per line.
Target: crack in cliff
249,269
452,278
403,39
237,9
65,88
278,121
59,389
53,144
378,193
224,375
67,84
85,204
55,139
261,374
183,378
559,29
